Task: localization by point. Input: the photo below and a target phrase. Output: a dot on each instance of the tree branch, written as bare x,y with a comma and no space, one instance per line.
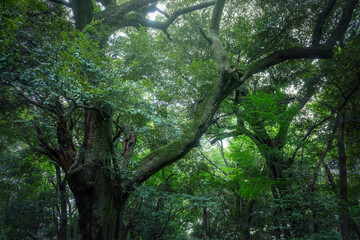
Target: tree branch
63,2
280,56
125,15
115,14
317,51
137,20
203,115
337,123
128,145
216,16
216,46
308,134
321,21
177,13
341,28
51,152
212,163
162,12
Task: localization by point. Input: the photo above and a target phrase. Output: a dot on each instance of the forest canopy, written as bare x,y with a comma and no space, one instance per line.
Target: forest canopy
184,119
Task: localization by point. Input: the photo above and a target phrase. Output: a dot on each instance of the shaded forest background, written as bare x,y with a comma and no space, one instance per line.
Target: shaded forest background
208,120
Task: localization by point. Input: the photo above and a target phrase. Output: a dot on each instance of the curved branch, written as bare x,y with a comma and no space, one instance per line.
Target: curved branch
320,52
117,12
118,17
177,13
175,150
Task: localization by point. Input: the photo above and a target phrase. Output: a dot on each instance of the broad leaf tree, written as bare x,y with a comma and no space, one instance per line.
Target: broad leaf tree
97,171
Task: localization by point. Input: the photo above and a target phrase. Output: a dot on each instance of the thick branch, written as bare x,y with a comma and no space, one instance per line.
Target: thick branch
83,12
178,148
203,117
216,46
321,21
319,51
341,28
216,16
114,14
287,54
138,19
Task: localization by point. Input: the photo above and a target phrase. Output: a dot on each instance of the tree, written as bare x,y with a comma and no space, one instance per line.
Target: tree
98,174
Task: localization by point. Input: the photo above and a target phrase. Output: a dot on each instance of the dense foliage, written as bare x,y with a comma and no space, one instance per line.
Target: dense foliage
214,120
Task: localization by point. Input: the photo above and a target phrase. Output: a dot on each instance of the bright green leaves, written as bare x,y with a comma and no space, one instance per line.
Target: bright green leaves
247,175
267,110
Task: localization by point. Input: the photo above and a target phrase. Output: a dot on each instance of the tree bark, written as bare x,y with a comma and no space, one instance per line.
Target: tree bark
98,193
344,211
62,231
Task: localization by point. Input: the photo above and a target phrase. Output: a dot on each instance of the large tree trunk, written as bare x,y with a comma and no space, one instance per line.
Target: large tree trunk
100,214
98,193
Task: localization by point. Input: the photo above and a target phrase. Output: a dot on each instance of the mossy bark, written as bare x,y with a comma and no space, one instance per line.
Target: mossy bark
97,192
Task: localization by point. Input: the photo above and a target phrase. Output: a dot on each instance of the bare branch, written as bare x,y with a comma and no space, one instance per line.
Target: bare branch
225,135
337,122
132,216
203,33
330,176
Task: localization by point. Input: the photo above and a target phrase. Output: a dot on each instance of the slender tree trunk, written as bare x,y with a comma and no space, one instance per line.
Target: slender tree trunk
62,232
248,220
344,212
206,234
